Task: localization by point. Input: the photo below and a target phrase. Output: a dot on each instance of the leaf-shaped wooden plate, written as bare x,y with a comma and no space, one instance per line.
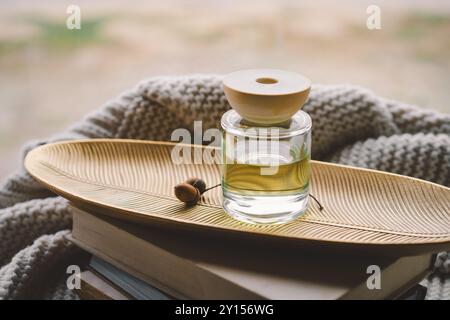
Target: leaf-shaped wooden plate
134,180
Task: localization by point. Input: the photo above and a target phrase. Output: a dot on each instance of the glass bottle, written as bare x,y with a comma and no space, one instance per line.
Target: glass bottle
266,146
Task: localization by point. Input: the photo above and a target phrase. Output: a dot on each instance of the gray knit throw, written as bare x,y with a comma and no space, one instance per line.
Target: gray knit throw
350,126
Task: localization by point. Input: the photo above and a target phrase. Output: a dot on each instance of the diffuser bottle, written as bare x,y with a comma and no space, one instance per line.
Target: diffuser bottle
266,147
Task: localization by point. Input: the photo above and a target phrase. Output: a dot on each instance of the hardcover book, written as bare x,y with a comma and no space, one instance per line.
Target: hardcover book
191,267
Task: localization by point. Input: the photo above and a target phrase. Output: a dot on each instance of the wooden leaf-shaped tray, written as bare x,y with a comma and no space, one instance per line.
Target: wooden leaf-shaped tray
134,180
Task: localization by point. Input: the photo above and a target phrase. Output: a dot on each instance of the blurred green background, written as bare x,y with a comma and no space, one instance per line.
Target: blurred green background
51,76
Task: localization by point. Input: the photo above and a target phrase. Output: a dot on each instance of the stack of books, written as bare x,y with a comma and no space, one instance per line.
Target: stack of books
134,261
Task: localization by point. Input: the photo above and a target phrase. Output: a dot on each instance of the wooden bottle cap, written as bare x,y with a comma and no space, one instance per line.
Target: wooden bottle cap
266,95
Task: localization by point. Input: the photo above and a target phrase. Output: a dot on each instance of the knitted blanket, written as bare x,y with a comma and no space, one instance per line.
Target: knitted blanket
350,126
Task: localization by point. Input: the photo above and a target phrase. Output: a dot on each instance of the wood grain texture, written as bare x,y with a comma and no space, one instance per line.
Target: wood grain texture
134,180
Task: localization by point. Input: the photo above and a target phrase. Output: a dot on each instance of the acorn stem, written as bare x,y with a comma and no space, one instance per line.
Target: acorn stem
317,201
217,185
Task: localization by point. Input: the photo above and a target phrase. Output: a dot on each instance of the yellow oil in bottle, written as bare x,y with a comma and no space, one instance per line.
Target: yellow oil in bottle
269,178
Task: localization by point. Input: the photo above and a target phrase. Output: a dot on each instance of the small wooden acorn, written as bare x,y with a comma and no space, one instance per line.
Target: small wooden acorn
187,193
197,183
191,190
